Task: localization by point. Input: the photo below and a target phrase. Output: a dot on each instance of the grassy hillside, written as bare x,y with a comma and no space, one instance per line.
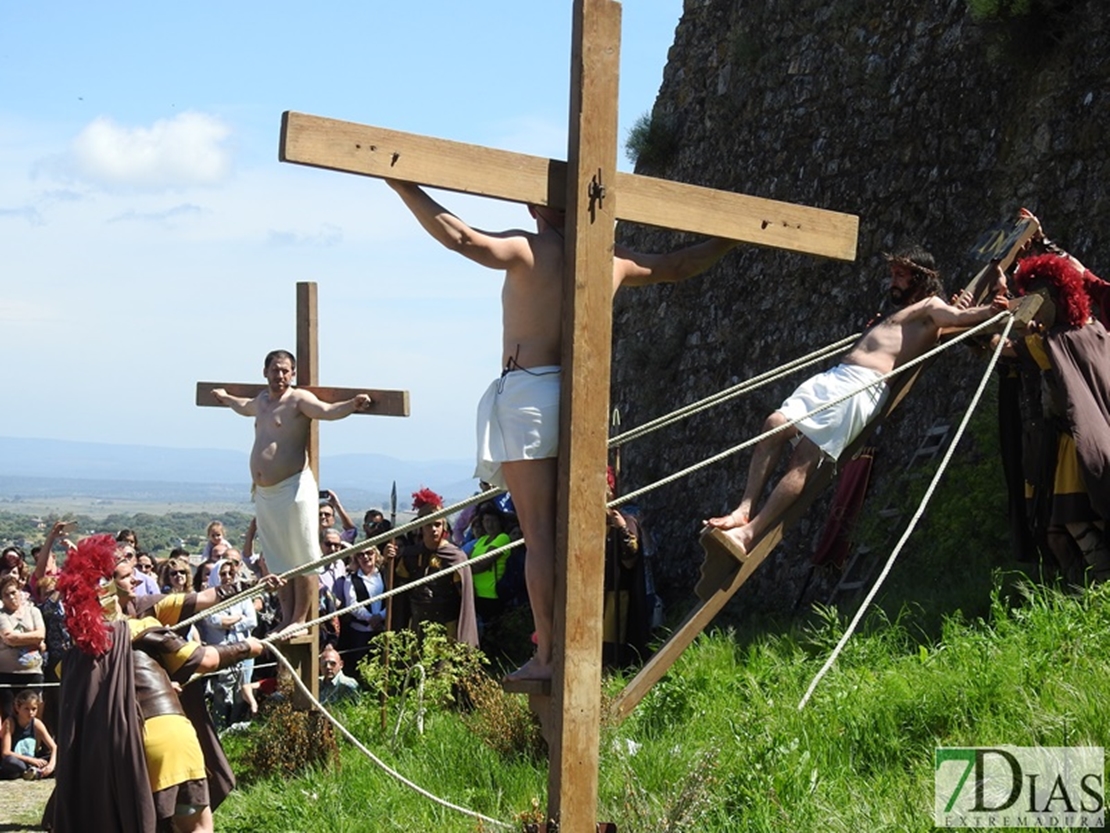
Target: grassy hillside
719,744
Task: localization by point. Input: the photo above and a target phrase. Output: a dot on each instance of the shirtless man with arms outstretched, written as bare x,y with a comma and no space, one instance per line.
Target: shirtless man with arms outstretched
910,331
518,418
285,494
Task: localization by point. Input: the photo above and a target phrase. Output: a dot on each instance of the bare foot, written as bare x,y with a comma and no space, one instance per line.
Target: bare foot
531,670
732,520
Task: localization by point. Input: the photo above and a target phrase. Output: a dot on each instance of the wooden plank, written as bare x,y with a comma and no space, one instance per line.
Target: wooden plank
368,150
997,246
764,222
383,402
584,410
308,372
473,169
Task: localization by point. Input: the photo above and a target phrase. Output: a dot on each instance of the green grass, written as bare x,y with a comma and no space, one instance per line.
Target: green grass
719,744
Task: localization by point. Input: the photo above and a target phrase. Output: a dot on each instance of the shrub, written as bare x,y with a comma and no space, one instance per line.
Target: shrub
652,142
290,741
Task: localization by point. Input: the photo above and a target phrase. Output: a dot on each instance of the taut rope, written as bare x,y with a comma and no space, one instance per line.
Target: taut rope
913,521
754,440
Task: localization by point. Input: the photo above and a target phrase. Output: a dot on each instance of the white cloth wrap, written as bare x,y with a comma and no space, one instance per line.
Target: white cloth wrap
518,419
833,429
289,521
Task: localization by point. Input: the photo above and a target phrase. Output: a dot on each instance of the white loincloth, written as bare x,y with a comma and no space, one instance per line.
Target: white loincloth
518,419
289,521
833,429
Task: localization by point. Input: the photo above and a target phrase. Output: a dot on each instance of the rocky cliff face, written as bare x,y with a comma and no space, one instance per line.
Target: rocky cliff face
931,127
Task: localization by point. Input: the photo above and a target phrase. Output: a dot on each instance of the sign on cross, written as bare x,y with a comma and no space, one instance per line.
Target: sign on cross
302,651
594,196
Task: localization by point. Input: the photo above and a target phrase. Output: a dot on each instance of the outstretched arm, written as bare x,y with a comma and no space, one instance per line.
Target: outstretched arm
313,408
952,318
241,405
638,269
495,250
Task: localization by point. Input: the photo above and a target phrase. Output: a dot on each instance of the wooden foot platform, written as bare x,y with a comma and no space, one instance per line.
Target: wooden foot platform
723,557
303,653
527,686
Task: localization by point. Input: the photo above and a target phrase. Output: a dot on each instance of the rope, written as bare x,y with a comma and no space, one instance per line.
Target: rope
913,521
311,566
696,407
404,588
374,758
779,428
747,386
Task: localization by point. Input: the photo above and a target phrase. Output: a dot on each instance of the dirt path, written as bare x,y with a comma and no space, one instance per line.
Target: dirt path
21,804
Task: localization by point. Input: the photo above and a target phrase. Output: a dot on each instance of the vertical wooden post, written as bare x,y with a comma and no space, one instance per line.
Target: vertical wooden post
304,651
587,328
308,360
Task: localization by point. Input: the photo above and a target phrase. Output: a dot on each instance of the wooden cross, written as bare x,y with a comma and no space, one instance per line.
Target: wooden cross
594,196
303,651
383,402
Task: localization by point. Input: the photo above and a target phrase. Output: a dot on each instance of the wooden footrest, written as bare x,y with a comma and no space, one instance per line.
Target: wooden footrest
723,557
527,686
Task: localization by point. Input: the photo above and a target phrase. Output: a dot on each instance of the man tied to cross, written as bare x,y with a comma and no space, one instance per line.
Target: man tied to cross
284,489
915,327
518,417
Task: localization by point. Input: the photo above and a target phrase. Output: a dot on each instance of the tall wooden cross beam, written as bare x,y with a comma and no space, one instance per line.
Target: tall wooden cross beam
594,196
303,651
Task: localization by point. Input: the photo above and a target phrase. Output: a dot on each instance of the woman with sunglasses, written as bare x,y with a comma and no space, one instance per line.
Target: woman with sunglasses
364,622
177,575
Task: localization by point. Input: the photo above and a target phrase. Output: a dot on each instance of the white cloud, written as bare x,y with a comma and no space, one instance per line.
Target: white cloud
164,215
189,149
25,212
327,235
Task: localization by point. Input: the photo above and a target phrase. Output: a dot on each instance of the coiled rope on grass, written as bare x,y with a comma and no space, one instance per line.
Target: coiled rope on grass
916,517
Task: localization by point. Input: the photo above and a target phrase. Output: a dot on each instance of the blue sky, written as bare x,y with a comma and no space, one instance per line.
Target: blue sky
150,238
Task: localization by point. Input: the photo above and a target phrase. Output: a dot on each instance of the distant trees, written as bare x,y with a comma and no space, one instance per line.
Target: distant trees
158,534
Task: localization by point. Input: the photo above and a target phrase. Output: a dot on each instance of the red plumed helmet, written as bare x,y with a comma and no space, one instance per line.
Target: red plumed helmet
81,583
426,497
1066,280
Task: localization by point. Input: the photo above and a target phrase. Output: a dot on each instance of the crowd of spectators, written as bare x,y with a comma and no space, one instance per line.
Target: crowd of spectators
33,635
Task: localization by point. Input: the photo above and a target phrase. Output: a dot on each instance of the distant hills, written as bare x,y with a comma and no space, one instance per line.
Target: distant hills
34,468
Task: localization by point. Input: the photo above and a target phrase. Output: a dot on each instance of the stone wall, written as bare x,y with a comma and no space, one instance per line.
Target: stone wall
928,125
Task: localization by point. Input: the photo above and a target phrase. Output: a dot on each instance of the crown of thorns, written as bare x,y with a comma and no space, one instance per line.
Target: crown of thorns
912,265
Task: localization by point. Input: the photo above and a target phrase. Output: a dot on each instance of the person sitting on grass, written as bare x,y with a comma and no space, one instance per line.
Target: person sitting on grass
26,748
